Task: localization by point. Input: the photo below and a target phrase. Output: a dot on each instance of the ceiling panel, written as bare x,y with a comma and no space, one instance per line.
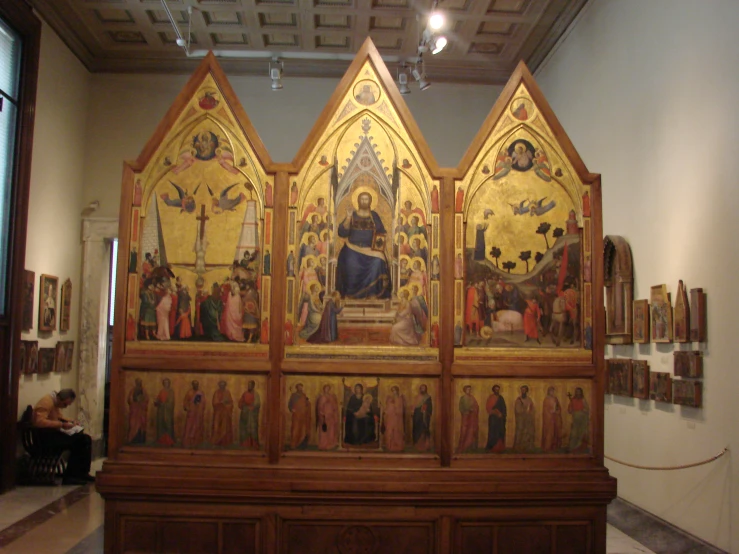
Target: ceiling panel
487,38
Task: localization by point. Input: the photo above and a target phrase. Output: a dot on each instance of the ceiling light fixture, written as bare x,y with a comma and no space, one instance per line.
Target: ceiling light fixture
419,74
179,38
403,79
432,39
275,73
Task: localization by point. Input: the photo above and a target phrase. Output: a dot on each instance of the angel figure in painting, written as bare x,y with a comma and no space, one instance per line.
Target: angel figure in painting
328,328
362,269
403,332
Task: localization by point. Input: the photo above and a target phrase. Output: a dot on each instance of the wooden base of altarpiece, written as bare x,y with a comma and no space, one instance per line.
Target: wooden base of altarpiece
353,510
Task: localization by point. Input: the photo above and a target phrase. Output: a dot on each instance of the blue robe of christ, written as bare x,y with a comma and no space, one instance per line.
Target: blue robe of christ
362,272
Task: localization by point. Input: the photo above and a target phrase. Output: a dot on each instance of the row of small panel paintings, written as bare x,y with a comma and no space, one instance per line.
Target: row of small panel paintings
46,360
632,378
661,322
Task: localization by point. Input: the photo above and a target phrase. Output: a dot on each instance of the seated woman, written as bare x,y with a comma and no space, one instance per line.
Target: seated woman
47,416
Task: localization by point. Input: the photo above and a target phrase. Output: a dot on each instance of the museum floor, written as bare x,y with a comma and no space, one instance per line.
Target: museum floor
69,520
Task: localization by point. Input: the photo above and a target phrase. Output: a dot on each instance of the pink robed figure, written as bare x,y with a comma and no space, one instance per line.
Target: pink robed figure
394,422
327,419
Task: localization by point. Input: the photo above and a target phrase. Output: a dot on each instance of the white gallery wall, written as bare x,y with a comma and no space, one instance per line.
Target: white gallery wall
53,240
125,110
647,92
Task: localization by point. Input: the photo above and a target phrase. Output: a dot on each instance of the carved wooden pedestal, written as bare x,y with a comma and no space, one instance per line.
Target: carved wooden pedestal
353,511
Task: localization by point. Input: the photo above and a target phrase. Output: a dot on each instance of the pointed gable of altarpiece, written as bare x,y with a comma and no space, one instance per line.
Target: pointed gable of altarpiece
363,256
200,229
524,241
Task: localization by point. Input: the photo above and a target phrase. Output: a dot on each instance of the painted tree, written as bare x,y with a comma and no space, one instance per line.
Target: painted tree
509,265
495,253
543,230
558,232
539,257
525,256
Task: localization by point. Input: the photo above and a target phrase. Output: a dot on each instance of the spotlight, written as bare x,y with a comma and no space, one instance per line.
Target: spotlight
275,73
403,80
420,75
180,42
438,44
436,21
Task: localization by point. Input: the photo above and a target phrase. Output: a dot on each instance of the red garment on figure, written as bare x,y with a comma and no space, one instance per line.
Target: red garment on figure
531,319
459,204
472,312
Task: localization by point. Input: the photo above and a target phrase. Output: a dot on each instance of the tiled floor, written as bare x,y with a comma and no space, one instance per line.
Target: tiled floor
69,520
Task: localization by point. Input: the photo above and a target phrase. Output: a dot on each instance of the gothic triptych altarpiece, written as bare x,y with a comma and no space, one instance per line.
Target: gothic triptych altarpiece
358,349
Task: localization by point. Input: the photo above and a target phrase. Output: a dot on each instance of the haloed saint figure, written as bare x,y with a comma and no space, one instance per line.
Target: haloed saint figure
362,268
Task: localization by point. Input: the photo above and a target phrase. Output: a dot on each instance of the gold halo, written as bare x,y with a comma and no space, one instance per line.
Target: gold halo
423,263
405,257
401,234
419,236
360,190
311,283
486,332
406,289
321,233
304,239
304,261
402,220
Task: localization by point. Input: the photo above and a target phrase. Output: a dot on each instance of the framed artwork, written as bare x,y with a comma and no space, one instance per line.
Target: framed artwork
688,364
29,284
687,393
46,360
22,357
69,355
48,290
641,321
661,314
619,376
61,356
618,280
640,379
697,315
681,315
660,386
31,363
66,305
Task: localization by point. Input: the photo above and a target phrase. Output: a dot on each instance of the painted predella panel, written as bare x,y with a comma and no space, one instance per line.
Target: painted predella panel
524,280
522,416
363,239
195,410
201,235
360,414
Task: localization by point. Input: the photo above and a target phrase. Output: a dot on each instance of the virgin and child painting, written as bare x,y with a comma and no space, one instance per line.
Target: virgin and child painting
514,416
360,241
198,410
200,238
348,414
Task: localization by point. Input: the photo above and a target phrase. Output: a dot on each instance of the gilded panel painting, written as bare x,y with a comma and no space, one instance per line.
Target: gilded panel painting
201,235
360,414
525,260
520,416
195,410
362,248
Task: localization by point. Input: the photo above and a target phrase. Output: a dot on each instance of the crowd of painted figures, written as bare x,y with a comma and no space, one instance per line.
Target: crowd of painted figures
229,311
361,422
524,411
194,405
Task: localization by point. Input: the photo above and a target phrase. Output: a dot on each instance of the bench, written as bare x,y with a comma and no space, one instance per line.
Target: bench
41,465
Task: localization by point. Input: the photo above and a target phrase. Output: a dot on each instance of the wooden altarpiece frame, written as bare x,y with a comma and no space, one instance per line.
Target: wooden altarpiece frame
619,283
269,491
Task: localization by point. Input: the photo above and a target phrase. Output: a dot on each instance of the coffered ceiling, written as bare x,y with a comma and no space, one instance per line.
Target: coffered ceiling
487,38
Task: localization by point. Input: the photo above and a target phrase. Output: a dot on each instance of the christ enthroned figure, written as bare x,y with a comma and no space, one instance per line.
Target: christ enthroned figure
362,269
